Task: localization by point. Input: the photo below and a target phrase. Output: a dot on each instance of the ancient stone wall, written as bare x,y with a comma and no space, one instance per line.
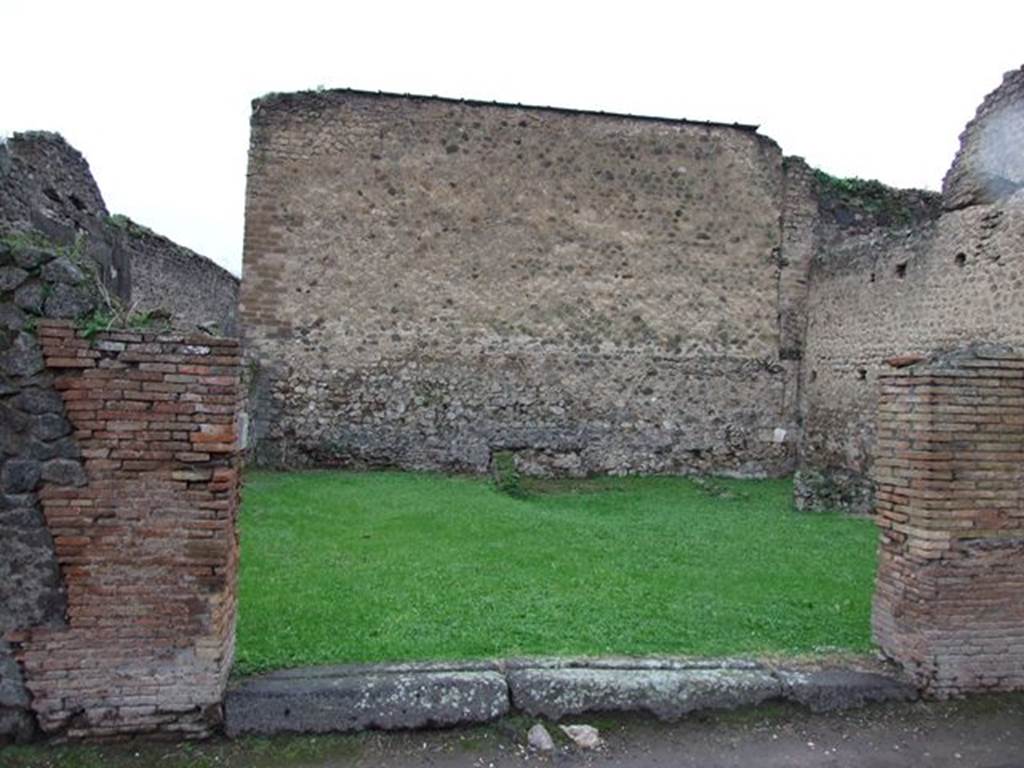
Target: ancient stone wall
428,282
143,526
478,278
61,256
950,502
46,187
902,280
990,164
44,179
196,292
36,446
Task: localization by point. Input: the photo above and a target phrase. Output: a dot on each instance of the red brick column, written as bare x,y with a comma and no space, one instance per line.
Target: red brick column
145,539
949,604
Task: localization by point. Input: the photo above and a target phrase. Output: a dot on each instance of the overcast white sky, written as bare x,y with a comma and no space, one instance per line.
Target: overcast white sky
156,95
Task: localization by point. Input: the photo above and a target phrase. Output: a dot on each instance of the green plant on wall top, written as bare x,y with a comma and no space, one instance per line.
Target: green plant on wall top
111,318
106,311
885,203
26,239
126,224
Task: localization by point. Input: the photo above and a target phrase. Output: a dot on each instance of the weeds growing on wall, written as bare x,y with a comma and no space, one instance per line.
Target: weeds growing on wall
112,314
107,319
27,239
888,205
130,226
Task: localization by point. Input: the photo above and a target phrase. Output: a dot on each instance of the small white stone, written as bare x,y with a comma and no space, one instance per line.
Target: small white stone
584,736
539,738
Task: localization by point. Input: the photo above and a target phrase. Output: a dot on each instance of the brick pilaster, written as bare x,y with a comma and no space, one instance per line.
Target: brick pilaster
146,543
949,603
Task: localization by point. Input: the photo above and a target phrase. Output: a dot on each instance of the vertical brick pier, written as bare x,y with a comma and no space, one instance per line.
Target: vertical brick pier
144,532
949,601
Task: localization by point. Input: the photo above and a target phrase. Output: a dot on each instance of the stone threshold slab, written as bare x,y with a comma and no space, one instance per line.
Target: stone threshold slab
440,694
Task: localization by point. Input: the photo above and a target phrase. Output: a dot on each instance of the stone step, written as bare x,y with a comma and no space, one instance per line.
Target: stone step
407,696
382,700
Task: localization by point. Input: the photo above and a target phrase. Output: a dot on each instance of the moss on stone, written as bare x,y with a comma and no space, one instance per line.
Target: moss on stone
887,205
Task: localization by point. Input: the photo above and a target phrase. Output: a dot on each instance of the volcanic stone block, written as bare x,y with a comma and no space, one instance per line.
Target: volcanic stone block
666,693
388,701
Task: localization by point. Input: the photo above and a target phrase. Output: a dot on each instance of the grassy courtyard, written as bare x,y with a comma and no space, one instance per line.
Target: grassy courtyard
387,566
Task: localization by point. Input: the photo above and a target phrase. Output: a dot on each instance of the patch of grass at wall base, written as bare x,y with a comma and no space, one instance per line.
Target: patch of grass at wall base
507,478
386,566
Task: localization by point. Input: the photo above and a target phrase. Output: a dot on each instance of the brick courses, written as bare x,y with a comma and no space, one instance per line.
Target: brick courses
949,604
146,544
909,286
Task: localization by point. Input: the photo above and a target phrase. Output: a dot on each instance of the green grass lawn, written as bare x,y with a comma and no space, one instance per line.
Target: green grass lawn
388,566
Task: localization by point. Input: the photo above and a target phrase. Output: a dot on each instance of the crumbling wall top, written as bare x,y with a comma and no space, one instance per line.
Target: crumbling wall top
41,172
990,163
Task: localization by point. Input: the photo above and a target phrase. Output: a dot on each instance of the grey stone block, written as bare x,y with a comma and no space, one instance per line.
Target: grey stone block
626,663
39,401
63,270
17,500
16,725
68,301
30,257
64,472
65,448
835,689
13,420
666,693
388,701
20,517
11,278
19,475
31,448
11,318
415,695
51,426
30,297
23,358
12,689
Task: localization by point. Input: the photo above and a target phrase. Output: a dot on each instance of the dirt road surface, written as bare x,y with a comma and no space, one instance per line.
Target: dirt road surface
981,732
